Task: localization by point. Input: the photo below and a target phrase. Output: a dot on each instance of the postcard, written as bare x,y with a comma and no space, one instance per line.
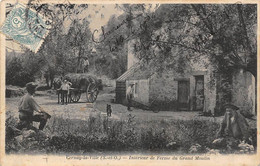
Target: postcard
129,82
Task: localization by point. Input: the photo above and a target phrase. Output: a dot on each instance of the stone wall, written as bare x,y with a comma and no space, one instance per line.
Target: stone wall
164,86
141,90
243,91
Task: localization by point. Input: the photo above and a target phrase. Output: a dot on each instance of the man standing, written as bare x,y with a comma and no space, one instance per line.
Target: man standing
65,91
27,106
129,96
86,65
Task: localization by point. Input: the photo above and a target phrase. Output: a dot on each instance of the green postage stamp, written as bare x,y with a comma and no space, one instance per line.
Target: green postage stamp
26,27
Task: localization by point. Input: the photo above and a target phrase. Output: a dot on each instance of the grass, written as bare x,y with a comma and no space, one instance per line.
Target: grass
99,134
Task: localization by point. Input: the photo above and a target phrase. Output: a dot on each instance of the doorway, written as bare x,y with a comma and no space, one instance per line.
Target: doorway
183,95
199,93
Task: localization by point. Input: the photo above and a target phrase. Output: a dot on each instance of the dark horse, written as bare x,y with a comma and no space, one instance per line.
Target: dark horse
57,83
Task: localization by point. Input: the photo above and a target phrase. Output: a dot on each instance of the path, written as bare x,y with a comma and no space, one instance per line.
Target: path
82,111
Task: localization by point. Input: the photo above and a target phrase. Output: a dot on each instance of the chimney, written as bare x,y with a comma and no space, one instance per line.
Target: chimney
131,59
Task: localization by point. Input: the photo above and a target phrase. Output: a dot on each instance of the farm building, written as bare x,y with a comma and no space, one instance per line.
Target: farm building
197,88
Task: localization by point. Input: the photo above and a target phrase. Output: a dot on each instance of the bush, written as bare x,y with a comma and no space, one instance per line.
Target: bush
106,135
16,74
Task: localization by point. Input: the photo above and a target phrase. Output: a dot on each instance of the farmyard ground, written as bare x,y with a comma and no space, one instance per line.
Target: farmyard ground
77,128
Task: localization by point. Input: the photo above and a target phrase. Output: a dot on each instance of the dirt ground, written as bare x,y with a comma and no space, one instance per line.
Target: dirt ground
82,110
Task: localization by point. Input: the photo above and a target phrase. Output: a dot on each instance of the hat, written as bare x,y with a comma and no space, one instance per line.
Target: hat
228,105
31,85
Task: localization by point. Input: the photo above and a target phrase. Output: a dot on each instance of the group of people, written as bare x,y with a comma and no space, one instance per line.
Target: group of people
234,125
64,92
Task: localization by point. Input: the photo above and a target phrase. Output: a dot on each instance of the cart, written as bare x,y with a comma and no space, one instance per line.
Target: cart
82,83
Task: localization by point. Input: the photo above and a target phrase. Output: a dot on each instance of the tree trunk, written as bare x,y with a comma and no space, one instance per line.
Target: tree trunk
47,81
51,79
79,57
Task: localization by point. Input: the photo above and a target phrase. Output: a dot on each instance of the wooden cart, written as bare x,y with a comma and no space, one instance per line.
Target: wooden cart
82,83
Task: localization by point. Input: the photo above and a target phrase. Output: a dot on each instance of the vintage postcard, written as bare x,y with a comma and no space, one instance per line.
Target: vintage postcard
129,82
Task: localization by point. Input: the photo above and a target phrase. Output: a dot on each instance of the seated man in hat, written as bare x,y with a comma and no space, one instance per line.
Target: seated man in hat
234,124
233,127
27,106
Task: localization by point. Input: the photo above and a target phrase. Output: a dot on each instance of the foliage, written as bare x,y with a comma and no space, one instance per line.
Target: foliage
176,36
225,33
17,73
132,135
68,40
111,59
168,37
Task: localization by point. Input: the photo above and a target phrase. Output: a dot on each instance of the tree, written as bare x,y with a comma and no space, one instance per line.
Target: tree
57,54
220,31
177,34
17,74
111,59
79,39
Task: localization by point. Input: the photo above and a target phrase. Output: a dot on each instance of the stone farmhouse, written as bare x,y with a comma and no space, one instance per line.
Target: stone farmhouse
197,88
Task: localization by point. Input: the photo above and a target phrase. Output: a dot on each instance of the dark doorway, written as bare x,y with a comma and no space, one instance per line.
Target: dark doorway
183,95
199,93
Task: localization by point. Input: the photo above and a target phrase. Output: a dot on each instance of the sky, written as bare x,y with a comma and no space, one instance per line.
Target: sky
98,15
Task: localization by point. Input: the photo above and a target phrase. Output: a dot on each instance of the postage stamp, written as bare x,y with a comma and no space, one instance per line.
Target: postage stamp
25,26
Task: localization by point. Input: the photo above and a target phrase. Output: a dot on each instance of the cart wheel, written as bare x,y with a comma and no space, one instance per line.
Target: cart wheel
75,96
92,92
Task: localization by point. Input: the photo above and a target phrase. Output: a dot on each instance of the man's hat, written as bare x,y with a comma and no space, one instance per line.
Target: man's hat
229,105
31,85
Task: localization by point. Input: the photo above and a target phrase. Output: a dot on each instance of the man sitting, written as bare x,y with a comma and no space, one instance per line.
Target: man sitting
27,106
234,124
233,128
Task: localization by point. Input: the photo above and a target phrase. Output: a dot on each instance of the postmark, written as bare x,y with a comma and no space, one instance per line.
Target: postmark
26,27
